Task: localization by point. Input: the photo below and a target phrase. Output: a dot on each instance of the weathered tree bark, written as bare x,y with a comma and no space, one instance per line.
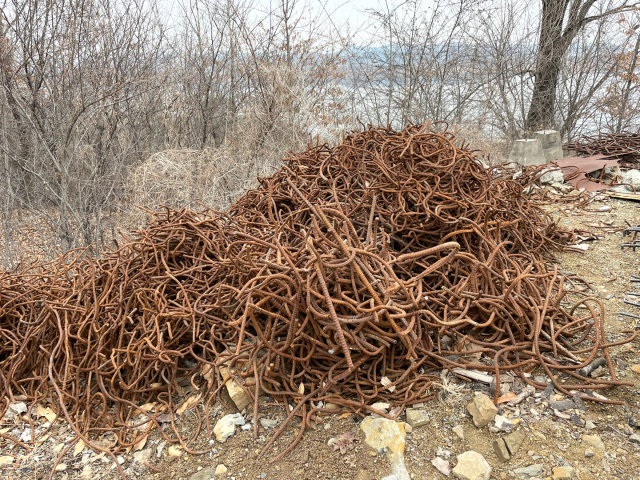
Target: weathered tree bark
560,22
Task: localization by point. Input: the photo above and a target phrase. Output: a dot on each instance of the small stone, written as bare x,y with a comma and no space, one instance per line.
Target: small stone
589,453
563,473
160,447
635,438
514,441
226,426
504,424
417,418
221,469
579,402
563,405
204,474
482,410
442,466
6,460
595,441
382,407
459,431
143,455
472,466
501,449
237,394
268,423
534,470
540,435
589,425
576,420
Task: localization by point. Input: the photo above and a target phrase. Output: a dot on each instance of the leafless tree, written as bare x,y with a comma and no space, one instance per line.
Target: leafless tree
560,22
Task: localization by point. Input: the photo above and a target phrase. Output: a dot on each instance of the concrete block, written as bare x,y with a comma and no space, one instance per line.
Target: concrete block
527,152
553,153
548,138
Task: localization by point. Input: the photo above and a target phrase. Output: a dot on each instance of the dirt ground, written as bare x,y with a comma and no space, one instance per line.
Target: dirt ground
551,439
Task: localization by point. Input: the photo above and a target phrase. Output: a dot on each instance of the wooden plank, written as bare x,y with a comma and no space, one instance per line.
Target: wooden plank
476,375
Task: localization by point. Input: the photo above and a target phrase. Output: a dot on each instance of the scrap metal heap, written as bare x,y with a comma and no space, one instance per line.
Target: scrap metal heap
625,146
353,275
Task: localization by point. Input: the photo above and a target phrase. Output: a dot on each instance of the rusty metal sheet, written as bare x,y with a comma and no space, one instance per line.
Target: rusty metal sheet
575,170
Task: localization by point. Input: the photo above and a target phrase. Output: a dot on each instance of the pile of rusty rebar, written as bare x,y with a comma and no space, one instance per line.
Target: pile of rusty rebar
354,274
625,146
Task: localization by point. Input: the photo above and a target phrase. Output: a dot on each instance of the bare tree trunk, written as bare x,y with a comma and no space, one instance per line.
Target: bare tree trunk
551,50
561,21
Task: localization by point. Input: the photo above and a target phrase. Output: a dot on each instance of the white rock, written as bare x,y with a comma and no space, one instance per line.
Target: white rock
632,179
268,423
26,435
226,426
552,175
472,466
221,469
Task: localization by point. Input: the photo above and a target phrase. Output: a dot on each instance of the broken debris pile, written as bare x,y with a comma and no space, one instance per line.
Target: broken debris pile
350,276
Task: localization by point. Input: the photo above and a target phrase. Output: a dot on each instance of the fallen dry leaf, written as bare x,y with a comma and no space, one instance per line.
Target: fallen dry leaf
636,368
507,397
343,442
58,447
61,467
301,389
45,412
146,408
6,460
86,472
140,445
189,403
107,440
78,447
